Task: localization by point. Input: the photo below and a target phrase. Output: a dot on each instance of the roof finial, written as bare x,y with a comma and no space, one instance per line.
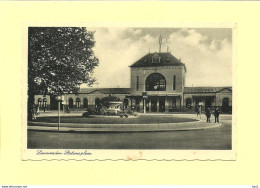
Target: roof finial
160,43
167,49
149,50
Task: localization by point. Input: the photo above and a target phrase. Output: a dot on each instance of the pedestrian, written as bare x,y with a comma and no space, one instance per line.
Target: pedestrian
198,110
216,114
207,113
68,109
37,110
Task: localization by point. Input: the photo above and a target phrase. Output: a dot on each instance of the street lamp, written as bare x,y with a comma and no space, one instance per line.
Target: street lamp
59,98
200,108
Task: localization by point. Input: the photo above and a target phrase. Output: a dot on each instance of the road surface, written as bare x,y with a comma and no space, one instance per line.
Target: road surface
208,139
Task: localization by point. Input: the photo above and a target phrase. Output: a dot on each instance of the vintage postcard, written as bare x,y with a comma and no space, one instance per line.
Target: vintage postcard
129,92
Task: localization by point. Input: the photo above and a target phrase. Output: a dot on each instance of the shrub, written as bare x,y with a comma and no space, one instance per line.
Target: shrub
88,112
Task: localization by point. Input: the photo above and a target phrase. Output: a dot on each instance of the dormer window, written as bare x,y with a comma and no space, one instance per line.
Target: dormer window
156,58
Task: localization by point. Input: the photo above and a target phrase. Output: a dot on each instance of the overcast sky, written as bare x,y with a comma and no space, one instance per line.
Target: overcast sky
207,53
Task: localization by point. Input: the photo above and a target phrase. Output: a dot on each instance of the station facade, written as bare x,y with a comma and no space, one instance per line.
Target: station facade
157,85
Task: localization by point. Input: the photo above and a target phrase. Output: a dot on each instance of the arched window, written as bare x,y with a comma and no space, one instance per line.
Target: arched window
85,103
78,102
71,103
225,102
155,82
40,102
188,103
45,102
225,105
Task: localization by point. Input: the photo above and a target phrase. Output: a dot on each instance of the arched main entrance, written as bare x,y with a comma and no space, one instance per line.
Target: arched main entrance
70,103
85,103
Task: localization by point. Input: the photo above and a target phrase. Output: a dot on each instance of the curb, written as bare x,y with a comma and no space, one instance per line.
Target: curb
158,128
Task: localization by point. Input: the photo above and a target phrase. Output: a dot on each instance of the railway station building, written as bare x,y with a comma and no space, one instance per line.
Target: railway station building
157,84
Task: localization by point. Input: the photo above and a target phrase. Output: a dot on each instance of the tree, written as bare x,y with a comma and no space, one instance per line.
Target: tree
60,59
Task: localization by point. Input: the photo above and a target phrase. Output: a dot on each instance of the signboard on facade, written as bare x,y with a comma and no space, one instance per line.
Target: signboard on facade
144,94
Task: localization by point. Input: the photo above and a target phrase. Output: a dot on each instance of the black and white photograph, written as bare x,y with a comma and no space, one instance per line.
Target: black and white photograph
120,89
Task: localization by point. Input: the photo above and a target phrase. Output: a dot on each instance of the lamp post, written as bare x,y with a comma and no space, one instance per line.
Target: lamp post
200,108
59,99
145,96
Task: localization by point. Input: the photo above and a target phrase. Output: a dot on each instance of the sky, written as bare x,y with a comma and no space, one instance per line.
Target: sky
206,52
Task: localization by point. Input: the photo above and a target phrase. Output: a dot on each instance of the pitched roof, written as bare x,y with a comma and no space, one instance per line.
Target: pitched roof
106,90
166,59
204,89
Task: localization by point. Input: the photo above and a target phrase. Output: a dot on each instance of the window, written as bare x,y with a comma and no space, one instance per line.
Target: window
156,60
40,102
44,103
174,82
71,103
188,103
137,83
155,82
85,103
225,105
78,102
225,102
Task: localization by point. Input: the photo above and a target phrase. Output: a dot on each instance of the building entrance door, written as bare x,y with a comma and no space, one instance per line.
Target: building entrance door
208,103
162,105
137,101
154,104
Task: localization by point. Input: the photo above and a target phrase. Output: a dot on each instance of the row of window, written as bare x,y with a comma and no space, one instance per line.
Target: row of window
42,103
85,103
225,102
155,82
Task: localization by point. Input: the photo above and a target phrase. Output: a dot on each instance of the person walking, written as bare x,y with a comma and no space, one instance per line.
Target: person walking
198,110
68,109
216,114
207,113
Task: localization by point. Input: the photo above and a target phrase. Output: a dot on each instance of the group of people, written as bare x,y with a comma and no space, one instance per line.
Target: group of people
208,113
215,112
